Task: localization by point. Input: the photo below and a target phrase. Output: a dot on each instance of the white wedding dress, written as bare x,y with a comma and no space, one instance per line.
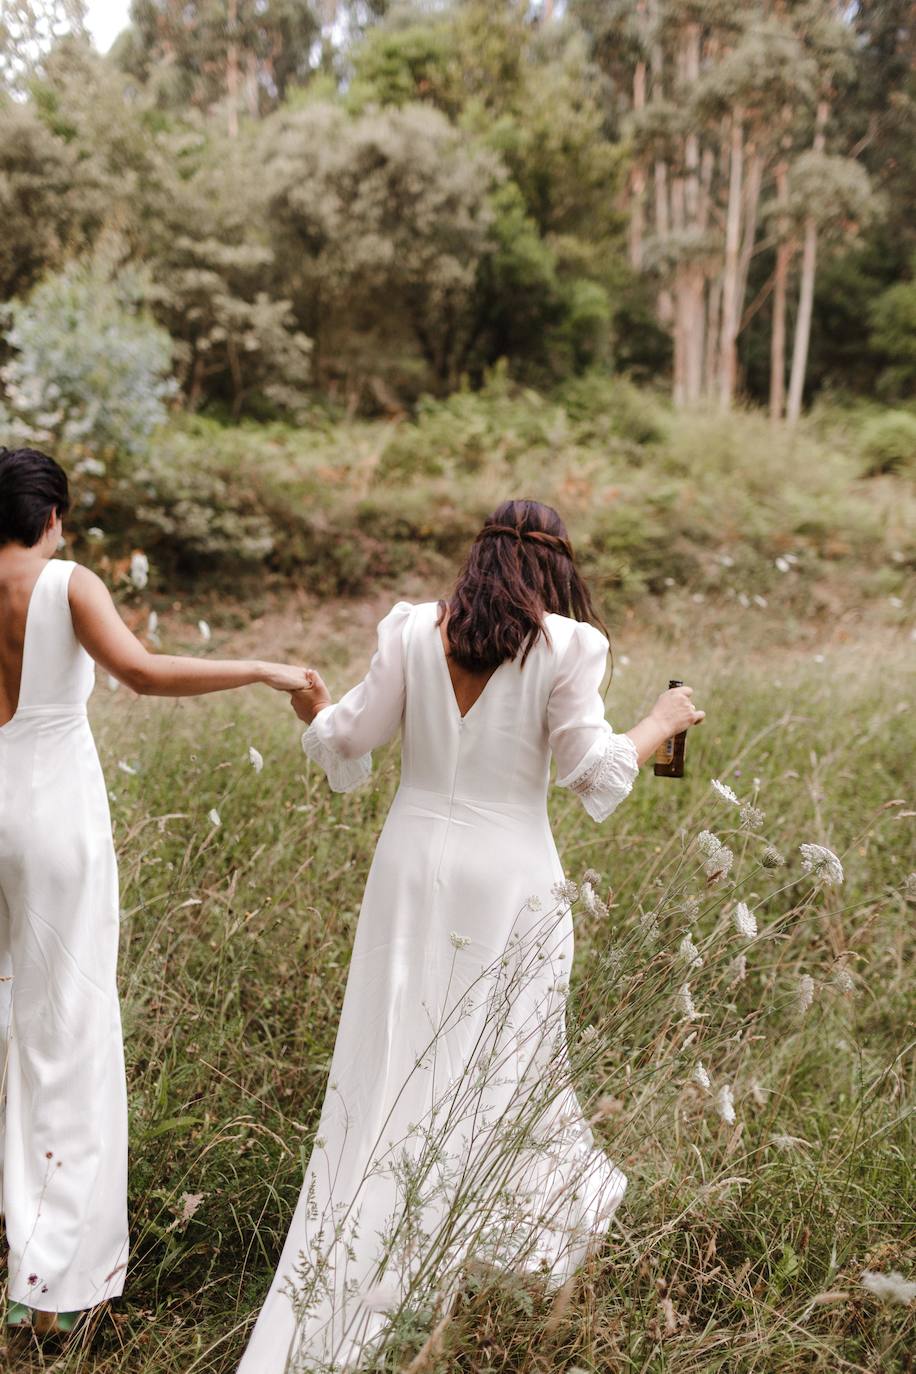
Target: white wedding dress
450,1131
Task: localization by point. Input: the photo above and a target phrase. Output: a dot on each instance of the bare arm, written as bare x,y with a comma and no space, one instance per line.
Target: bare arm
672,713
104,636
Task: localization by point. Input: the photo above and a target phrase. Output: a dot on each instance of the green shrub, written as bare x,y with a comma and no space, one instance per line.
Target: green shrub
90,366
889,443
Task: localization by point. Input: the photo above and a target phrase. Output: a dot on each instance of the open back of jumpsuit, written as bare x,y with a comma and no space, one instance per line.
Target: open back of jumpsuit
64,1141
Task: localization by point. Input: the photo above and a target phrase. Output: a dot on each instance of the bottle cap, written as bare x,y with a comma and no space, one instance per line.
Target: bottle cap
675,682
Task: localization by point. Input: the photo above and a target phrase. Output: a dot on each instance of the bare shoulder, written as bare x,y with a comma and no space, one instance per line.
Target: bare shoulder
86,588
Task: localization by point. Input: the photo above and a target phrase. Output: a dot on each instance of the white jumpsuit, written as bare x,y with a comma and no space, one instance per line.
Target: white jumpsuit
452,1028
64,1149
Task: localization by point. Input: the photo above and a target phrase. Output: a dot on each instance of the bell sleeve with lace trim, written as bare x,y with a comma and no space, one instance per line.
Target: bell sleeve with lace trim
593,761
342,736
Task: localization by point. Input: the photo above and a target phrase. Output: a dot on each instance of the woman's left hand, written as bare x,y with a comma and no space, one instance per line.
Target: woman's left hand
309,700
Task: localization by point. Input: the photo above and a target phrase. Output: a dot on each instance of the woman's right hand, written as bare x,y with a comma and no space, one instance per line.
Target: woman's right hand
675,712
285,678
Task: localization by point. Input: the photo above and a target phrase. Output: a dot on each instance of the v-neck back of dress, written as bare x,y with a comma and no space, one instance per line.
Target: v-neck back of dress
57,674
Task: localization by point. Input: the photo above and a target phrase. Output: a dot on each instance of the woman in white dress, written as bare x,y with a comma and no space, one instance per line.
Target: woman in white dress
63,1131
450,1130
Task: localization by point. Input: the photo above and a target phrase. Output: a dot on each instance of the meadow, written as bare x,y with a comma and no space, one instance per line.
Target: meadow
764,1120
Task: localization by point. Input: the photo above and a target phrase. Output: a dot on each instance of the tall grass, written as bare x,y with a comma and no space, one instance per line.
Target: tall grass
741,1244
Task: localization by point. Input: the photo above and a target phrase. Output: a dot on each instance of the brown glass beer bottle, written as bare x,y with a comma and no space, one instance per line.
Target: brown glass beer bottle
669,756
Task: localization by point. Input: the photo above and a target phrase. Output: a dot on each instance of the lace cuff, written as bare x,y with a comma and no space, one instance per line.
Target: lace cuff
344,775
606,774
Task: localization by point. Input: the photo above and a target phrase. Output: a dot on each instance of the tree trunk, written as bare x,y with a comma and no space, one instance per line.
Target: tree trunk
232,68
805,293
638,178
780,284
730,316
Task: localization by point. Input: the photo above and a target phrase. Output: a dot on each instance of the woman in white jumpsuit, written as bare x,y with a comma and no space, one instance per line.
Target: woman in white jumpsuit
64,1138
450,1129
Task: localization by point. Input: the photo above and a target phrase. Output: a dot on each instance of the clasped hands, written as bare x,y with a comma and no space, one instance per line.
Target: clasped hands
311,697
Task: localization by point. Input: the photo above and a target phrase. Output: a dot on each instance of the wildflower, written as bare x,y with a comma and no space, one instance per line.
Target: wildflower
589,1035
772,857
893,1287
751,817
745,921
650,928
533,904
718,864
139,570
909,887
708,842
565,892
701,1076
786,1142
126,768
459,941
591,901
204,630
805,992
691,908
95,534
758,1092
783,565
725,792
591,876
725,1104
255,758
737,969
152,623
685,1003
688,950
844,980
213,817
822,863
561,985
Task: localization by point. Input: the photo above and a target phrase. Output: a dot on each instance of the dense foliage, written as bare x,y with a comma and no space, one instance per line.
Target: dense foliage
369,202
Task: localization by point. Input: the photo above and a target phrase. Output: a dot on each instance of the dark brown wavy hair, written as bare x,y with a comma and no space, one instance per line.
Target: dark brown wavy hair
519,568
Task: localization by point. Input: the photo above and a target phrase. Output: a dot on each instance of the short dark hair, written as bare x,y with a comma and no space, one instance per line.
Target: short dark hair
32,488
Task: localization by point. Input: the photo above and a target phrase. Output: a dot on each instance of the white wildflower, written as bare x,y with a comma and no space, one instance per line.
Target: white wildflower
688,950
737,969
533,904
213,817
805,992
760,600
685,1003
751,817
459,941
126,768
718,864
725,1104
589,1035
708,842
725,792
204,630
783,564
745,921
95,534
892,1287
772,857
844,980
786,1142
591,901
650,926
139,570
822,863
701,1076
561,985
909,887
255,758
152,623
565,892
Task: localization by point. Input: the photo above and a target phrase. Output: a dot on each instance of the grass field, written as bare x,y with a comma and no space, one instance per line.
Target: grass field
741,1244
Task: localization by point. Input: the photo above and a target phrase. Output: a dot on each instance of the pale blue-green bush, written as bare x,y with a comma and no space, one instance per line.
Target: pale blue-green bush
90,367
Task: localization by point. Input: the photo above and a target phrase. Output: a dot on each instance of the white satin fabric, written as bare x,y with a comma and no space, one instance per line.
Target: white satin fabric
450,1073
64,1151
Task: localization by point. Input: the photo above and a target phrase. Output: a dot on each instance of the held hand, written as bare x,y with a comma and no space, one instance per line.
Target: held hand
308,700
675,712
284,678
